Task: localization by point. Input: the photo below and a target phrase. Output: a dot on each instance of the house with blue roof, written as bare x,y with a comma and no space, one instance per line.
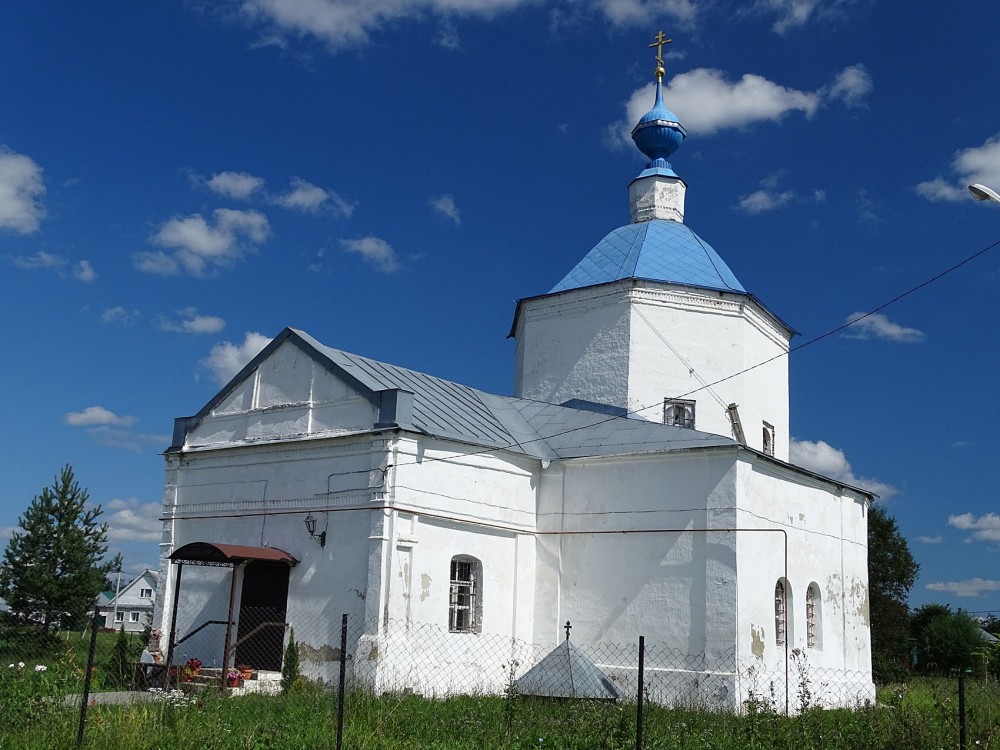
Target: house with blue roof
636,483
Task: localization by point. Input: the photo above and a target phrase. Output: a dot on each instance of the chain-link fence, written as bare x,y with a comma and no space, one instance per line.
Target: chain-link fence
396,673
435,661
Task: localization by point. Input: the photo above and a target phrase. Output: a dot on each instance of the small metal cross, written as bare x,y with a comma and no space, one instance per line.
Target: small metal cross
658,41
567,627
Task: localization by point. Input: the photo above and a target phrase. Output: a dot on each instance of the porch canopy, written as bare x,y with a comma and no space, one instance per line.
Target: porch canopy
220,555
214,553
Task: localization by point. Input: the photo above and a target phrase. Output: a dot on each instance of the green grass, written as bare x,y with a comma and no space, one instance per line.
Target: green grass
920,716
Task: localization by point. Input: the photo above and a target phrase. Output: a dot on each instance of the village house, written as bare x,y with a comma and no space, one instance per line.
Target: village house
132,607
636,483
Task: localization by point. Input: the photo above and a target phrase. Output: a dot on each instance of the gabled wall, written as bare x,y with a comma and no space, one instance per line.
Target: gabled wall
289,395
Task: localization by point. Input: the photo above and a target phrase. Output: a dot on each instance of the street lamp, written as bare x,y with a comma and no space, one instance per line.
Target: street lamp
983,193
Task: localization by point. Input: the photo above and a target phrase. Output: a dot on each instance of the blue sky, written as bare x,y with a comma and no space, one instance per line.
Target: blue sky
181,180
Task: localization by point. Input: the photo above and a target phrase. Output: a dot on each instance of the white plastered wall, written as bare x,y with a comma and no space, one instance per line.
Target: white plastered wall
622,551
684,340
447,501
633,344
825,534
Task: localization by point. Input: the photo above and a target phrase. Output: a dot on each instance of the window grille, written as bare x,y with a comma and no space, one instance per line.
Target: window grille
462,601
678,412
780,614
812,618
768,439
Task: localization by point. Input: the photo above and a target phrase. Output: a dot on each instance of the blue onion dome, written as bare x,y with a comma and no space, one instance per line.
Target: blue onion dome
658,133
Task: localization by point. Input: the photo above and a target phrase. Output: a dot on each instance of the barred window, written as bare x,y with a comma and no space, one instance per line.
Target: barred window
814,620
464,595
678,412
780,613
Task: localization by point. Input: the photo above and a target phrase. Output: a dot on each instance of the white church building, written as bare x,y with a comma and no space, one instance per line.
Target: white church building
636,484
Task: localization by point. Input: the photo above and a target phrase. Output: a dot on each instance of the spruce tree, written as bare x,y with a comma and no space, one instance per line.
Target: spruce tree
51,571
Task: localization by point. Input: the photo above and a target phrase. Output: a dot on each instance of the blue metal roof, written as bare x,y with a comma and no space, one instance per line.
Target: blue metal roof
657,250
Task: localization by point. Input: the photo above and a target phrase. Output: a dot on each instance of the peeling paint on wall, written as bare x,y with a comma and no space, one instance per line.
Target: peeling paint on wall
425,586
318,654
757,641
859,592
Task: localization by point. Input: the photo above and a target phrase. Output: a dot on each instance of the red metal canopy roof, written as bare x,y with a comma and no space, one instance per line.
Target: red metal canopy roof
233,554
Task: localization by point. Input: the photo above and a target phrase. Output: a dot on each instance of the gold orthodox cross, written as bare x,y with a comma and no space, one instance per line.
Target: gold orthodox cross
658,41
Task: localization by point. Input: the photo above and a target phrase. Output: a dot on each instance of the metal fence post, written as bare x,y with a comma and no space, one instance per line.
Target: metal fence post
639,701
343,680
86,679
962,740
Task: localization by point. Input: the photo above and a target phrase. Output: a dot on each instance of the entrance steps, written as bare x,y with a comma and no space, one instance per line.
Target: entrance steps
261,681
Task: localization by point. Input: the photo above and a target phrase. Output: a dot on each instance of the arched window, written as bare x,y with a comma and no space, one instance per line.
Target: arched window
814,618
465,596
782,613
768,439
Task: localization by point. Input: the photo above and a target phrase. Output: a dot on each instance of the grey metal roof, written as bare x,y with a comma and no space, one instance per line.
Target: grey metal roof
567,672
450,410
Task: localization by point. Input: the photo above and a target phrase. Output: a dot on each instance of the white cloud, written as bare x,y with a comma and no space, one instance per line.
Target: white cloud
21,191
190,321
930,539
978,164
40,260
119,314
970,587
84,272
226,359
763,200
878,326
97,415
851,86
119,437
445,206
639,12
350,23
238,185
132,520
823,458
44,261
312,199
156,262
791,15
448,36
705,102
377,252
986,528
200,247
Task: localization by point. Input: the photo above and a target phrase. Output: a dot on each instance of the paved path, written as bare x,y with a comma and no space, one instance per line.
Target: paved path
119,698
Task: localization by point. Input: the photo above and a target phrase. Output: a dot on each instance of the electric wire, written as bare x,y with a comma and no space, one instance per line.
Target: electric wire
797,348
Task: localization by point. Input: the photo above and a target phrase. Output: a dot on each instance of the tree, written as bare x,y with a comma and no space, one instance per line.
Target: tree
891,573
51,571
951,640
290,664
